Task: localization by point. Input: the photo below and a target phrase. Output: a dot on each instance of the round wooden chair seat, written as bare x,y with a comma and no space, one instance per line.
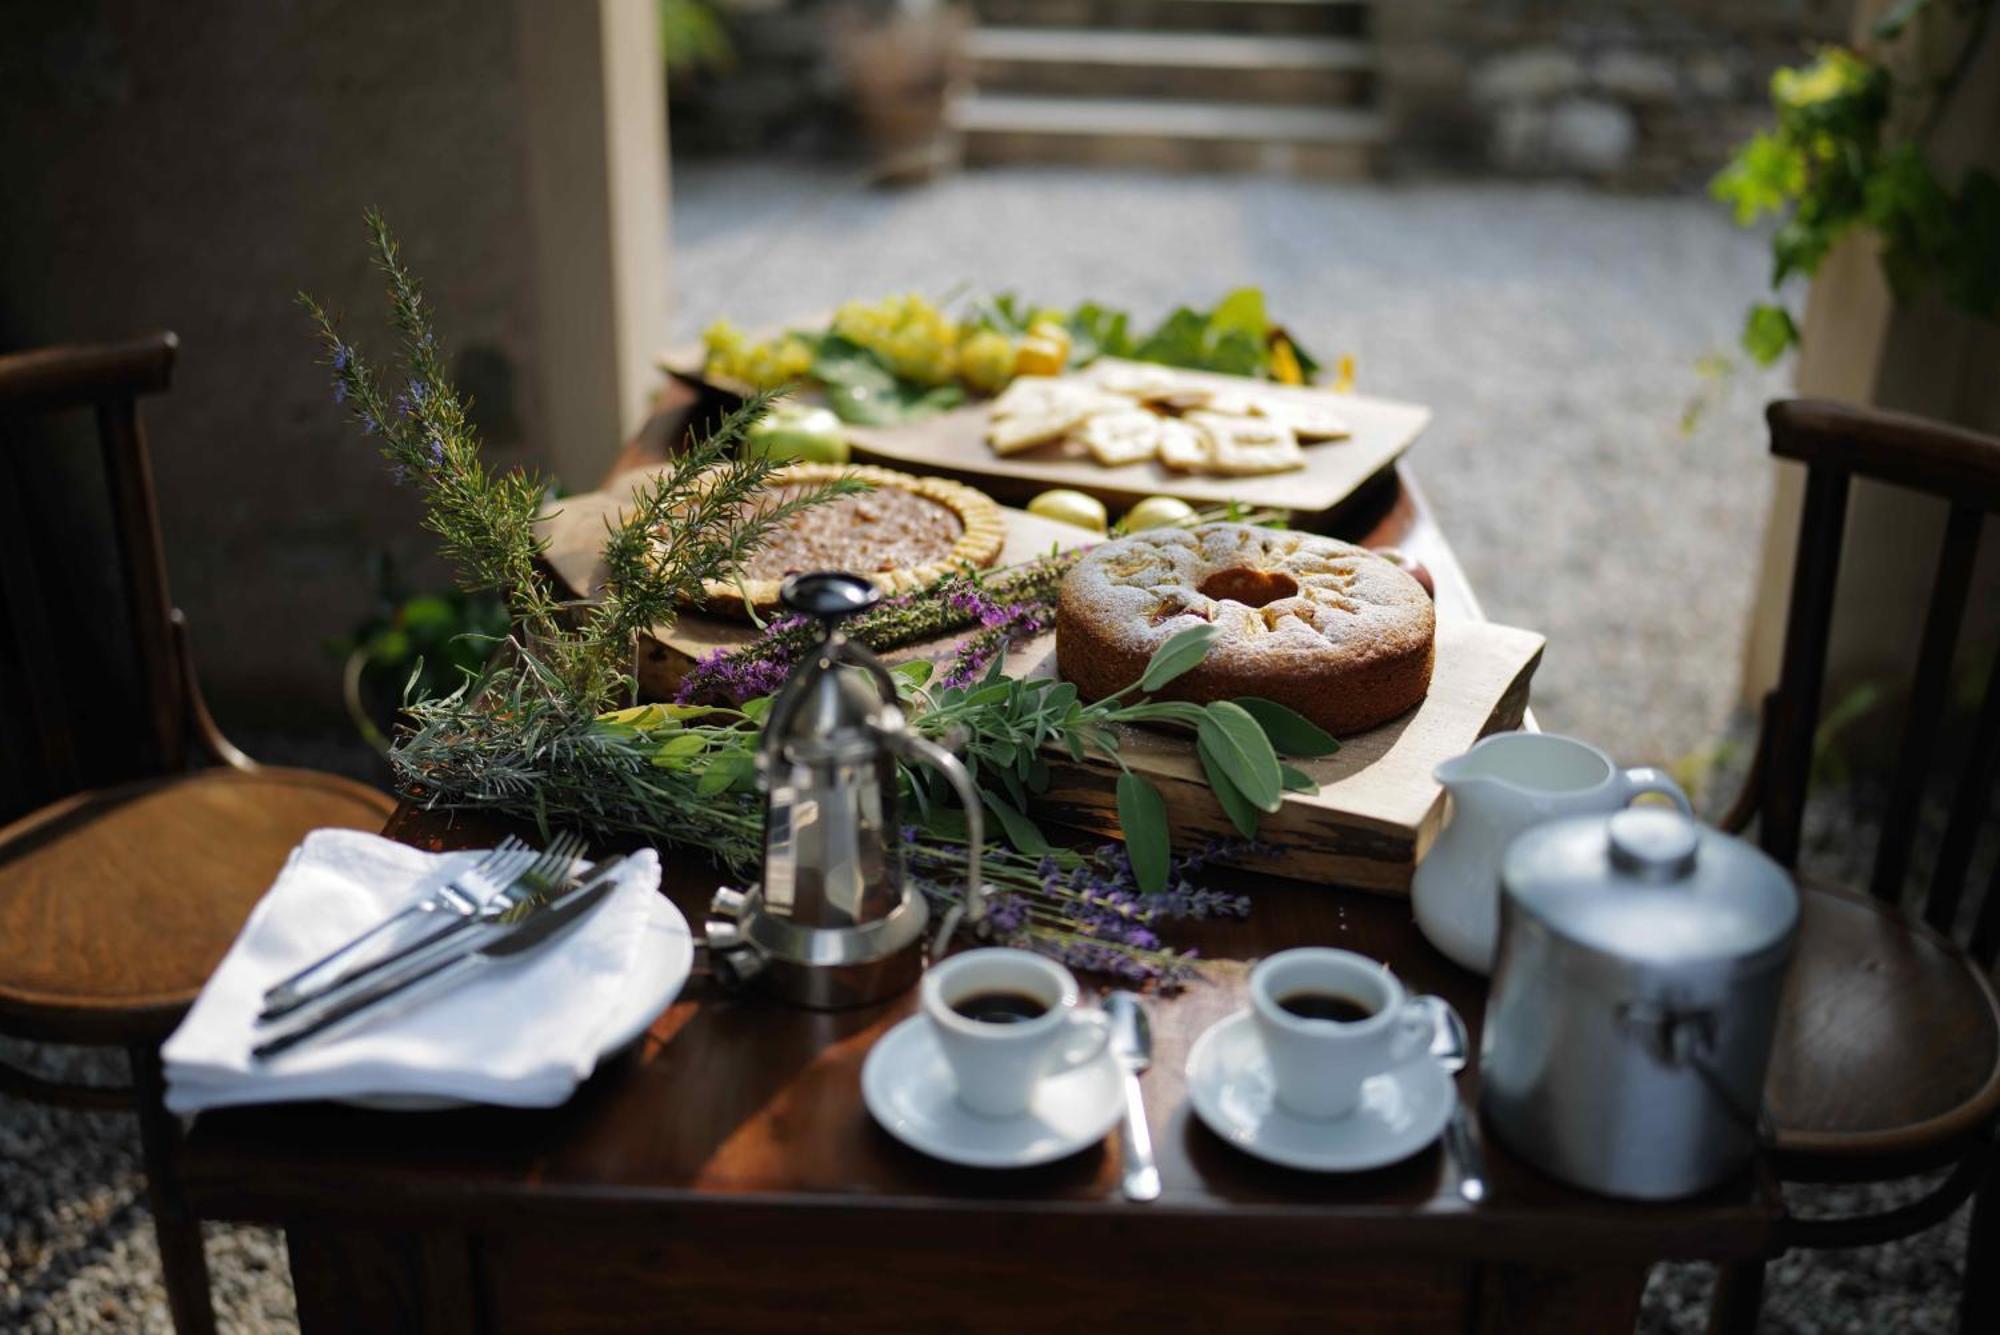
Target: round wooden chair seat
1889,1038
116,905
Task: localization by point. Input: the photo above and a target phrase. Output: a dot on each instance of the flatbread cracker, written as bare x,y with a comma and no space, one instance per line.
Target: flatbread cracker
1182,447
1308,421
1139,382
1247,446
1115,439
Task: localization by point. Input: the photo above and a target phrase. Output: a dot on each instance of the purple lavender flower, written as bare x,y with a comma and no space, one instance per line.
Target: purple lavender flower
339,390
343,356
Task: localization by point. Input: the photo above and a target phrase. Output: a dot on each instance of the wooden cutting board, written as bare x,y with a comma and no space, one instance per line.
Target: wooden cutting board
955,443
1376,811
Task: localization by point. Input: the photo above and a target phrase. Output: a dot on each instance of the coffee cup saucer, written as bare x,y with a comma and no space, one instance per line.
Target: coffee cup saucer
909,1089
1402,1110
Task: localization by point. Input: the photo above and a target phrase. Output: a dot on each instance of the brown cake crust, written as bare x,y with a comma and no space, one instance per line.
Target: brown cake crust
1329,629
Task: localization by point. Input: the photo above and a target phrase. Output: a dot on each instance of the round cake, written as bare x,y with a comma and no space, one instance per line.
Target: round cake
1329,629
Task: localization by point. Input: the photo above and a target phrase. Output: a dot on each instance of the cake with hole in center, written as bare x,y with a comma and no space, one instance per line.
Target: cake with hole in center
1329,629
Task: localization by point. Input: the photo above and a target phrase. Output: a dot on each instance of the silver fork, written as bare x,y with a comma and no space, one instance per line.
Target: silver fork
544,874
460,896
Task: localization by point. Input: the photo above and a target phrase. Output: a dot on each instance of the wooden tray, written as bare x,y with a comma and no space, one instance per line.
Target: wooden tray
955,443
1377,808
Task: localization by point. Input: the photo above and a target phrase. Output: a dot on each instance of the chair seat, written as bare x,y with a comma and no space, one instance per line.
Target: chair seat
1888,1043
117,904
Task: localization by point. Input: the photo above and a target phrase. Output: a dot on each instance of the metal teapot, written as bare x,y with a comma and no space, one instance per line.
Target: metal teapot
834,922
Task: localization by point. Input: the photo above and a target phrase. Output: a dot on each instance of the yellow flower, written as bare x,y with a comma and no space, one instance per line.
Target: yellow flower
1343,374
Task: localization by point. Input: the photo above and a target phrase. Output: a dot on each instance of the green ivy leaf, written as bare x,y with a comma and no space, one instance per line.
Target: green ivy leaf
1182,650
1234,805
1768,333
1021,832
1142,817
1243,753
1291,733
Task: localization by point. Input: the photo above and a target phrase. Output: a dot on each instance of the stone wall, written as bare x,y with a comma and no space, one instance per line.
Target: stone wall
1630,93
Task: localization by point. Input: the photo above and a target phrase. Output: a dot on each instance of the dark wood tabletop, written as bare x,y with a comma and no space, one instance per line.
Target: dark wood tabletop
724,1174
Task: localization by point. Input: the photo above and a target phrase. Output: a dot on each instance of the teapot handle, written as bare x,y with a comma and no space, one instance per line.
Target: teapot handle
973,905
1646,779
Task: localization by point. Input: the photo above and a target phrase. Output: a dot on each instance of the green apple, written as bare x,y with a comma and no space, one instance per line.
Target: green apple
798,431
1071,507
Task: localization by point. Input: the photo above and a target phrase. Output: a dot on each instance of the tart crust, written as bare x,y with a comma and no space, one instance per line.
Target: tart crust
983,534
1332,630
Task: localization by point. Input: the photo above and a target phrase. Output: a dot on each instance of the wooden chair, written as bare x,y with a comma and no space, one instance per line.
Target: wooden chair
116,903
1887,1061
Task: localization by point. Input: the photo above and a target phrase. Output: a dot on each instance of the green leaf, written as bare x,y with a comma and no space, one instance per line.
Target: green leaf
756,709
1296,780
1768,333
1021,832
1234,805
912,675
1890,26
731,769
1243,311
1243,753
1142,817
1291,733
1182,650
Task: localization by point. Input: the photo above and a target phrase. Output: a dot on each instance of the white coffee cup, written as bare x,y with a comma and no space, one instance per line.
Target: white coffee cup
1318,1065
998,1065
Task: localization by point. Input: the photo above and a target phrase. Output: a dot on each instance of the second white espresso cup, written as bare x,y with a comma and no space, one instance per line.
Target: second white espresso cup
997,1064
1318,1063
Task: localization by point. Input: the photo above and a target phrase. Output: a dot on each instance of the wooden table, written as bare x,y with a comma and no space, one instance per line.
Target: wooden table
724,1175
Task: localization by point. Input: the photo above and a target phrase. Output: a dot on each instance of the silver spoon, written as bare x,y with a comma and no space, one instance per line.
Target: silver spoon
1449,1043
1132,1045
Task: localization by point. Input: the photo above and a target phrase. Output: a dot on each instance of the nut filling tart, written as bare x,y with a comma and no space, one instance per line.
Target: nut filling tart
905,533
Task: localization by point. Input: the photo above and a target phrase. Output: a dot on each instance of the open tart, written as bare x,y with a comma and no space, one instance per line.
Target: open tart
905,532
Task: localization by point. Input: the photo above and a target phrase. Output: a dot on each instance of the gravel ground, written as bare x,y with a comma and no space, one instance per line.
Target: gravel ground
1553,330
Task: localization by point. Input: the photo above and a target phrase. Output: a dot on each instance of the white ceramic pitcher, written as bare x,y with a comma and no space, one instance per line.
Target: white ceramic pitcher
1499,788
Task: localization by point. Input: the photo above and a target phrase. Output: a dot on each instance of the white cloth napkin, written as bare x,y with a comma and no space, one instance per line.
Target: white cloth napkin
523,1032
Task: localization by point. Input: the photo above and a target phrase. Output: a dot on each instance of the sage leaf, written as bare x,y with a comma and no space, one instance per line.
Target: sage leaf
1182,651
1291,733
1296,780
1021,831
1243,752
1142,815
1234,805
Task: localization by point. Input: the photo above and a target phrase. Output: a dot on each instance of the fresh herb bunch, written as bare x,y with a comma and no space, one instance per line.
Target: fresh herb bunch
707,512
1847,152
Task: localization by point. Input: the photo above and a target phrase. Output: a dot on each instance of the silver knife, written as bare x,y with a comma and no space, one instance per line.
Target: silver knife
1132,1045
428,978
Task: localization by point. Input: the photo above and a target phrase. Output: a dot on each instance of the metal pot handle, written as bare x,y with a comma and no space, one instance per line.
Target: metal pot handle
973,904
1682,1037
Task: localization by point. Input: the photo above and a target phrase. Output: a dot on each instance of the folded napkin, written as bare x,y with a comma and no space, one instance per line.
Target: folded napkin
523,1032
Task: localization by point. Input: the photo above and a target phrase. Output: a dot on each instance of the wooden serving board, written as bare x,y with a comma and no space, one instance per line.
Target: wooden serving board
955,443
1377,808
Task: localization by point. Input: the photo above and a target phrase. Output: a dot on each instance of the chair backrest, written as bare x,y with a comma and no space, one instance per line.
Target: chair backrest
1836,443
47,758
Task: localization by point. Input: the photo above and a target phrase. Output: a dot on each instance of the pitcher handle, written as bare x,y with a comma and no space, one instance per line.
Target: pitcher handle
973,904
1646,779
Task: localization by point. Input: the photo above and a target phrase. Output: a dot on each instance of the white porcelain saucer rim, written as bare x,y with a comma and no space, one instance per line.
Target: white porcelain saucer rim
1202,1099
909,1033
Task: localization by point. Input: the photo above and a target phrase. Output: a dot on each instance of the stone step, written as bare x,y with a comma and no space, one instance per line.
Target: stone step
1327,18
1171,134
1243,67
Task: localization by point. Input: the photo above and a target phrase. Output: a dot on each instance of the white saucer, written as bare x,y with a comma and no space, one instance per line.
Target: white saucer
909,1089
1229,1085
660,968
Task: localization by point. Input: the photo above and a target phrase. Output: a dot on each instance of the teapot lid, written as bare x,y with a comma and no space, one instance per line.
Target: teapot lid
1650,886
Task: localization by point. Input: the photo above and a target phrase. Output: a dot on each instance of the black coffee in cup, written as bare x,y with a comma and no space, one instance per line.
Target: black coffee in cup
1313,1005
1001,1007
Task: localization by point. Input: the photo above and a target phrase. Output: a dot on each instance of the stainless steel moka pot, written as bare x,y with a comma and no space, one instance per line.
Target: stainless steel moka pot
834,923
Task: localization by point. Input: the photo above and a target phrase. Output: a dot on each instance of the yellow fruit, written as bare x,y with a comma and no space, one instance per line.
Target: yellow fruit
1040,356
1157,512
986,361
1071,507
